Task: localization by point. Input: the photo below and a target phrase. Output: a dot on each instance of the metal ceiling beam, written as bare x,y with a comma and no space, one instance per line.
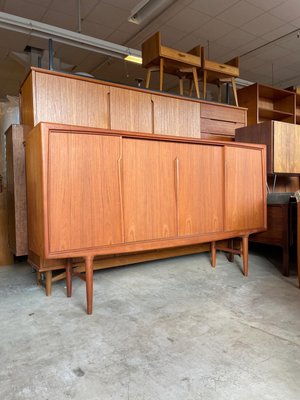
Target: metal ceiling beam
60,35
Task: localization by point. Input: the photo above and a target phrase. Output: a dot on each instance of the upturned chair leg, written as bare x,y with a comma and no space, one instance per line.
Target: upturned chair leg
204,83
148,78
161,74
234,91
195,76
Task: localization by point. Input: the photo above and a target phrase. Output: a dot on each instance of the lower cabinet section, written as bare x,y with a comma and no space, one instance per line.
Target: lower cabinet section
96,192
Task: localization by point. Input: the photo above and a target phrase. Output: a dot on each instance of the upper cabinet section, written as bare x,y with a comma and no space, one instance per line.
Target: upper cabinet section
267,103
49,96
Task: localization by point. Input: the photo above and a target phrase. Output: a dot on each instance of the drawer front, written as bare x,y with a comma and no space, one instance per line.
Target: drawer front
221,68
215,136
219,127
224,113
179,56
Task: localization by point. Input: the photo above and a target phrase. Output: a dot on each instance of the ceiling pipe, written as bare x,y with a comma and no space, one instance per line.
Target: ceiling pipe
64,36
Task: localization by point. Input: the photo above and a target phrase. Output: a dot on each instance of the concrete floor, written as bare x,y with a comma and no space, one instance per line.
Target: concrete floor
169,330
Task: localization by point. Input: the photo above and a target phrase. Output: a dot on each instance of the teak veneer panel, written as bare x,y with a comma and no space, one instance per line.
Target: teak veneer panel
70,101
195,189
92,181
149,190
176,117
286,148
130,110
244,207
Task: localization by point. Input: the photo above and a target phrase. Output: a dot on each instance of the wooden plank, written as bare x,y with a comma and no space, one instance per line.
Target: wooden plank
16,191
27,107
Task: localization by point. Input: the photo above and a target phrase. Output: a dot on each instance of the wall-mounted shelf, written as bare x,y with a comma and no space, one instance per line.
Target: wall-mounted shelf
267,103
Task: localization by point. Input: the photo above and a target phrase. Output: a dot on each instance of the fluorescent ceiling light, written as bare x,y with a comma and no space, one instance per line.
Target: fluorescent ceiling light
148,8
45,31
134,59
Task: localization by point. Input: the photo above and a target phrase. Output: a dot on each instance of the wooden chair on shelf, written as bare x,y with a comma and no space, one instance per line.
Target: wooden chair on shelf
167,60
217,73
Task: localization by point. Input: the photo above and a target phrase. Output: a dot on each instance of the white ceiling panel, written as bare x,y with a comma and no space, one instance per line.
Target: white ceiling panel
119,37
22,9
190,41
96,30
276,33
272,53
263,24
61,20
70,7
240,13
212,7
44,3
187,20
108,15
266,4
238,37
214,29
126,5
287,11
250,46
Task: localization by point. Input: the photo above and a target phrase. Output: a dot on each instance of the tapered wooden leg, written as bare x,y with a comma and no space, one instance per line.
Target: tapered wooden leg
204,83
213,253
196,82
48,283
181,86
219,93
89,283
38,278
148,78
230,256
69,273
234,91
245,254
191,87
161,74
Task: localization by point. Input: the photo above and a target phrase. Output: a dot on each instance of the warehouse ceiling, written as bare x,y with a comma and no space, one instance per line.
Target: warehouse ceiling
263,32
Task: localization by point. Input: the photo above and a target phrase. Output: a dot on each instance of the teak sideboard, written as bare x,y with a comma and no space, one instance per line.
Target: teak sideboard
50,96
95,192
